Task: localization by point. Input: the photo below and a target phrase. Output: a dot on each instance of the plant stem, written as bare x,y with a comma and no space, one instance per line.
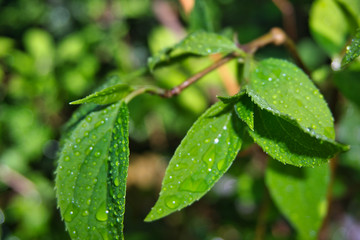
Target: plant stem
289,20
278,37
178,89
261,222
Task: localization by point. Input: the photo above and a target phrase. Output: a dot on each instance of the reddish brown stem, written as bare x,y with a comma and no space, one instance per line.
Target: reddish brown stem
278,37
288,13
178,89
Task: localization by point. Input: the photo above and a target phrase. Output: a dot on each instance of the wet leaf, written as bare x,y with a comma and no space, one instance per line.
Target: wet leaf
352,50
85,109
91,174
108,95
300,194
203,156
281,85
198,43
328,25
285,140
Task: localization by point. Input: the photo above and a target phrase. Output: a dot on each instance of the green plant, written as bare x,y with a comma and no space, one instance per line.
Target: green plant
278,107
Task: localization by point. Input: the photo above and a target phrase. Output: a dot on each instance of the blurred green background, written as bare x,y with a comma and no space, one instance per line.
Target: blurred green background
56,51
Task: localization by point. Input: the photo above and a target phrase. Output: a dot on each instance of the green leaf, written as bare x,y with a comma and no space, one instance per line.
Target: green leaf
108,95
353,7
352,50
245,110
285,140
300,194
91,175
348,83
203,156
202,16
328,25
280,85
84,110
348,132
197,43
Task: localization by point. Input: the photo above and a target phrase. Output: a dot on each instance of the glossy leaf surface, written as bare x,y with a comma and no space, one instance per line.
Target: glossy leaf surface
203,156
300,194
92,169
284,139
198,43
352,50
106,96
281,85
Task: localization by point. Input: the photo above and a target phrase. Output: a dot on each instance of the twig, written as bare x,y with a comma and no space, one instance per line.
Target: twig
288,13
178,89
261,222
278,37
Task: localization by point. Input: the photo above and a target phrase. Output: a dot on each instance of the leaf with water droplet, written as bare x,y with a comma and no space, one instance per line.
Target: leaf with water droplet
86,173
203,156
108,95
300,194
86,109
285,140
198,43
281,85
352,50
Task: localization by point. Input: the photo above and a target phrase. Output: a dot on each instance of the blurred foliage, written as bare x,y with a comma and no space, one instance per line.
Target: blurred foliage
54,52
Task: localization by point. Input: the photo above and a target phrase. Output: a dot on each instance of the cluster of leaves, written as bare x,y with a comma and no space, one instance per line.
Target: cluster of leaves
278,107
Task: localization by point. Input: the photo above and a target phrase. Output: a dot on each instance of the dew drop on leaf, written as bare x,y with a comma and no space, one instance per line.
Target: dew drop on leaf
172,202
102,213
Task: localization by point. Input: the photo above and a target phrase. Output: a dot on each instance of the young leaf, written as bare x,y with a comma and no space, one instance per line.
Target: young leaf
91,175
197,43
300,194
203,156
108,95
278,84
84,110
352,50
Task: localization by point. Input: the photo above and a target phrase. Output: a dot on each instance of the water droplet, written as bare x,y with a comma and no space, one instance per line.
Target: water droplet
97,154
221,164
85,213
216,140
67,158
89,119
194,185
102,213
116,181
172,202
70,213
